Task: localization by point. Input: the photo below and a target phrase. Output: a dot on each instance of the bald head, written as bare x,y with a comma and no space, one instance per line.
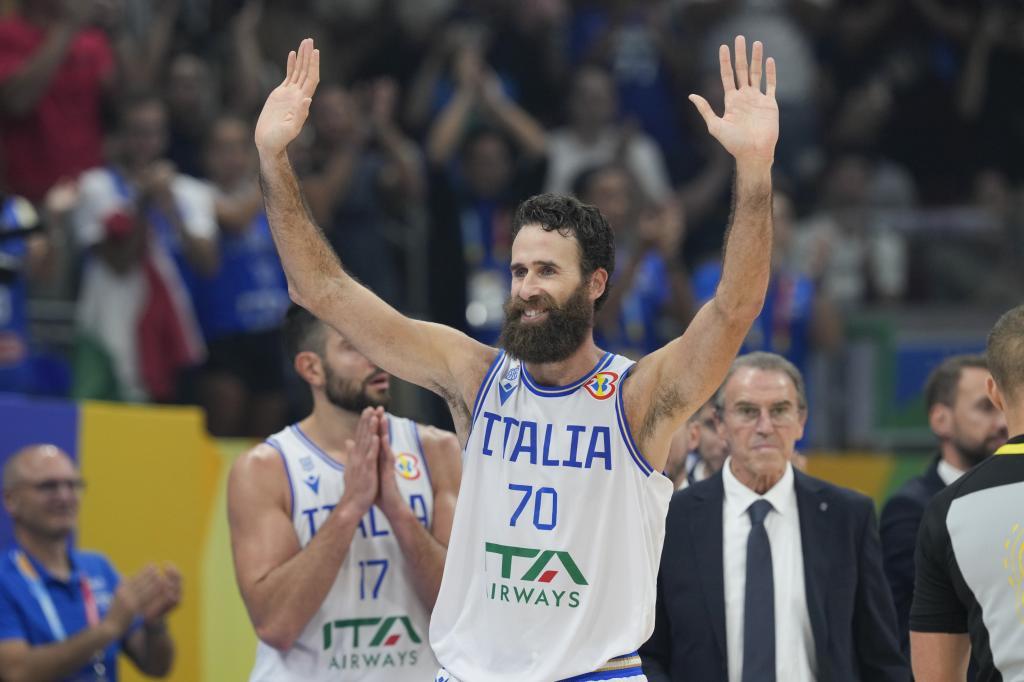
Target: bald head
41,492
22,463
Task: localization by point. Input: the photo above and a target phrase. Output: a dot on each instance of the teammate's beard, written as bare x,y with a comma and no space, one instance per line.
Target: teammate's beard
348,396
973,453
555,338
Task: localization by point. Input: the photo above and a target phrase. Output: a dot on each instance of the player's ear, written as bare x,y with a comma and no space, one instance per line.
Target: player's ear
598,283
310,368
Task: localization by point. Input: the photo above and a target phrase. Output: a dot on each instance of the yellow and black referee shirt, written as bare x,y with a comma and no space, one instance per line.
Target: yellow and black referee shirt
970,564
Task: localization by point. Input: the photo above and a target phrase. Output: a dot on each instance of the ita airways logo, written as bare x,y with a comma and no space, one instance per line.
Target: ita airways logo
370,632
542,565
407,465
602,385
1013,563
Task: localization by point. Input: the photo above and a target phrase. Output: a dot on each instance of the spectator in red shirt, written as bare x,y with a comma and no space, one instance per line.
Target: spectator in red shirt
54,68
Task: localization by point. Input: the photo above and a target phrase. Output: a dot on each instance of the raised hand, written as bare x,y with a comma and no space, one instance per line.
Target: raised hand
361,480
287,107
749,128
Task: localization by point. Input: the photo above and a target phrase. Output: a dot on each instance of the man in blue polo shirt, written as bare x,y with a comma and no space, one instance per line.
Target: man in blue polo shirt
65,614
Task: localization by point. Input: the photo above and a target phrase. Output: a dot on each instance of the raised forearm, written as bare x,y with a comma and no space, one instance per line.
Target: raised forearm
282,603
446,133
528,134
746,260
20,93
423,552
309,263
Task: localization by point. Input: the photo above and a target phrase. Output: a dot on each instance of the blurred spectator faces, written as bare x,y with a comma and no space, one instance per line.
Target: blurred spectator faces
611,189
143,137
592,103
229,152
487,164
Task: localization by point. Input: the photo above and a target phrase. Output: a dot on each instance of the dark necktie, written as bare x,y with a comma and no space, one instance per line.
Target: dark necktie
759,601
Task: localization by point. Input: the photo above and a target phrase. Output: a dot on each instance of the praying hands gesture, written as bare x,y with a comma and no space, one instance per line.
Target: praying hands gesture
749,128
287,107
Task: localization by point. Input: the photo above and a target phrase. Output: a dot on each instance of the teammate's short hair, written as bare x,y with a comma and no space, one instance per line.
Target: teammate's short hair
1005,352
302,331
768,362
569,216
942,384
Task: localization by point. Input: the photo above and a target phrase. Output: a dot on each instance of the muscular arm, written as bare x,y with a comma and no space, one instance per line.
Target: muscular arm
675,380
433,356
426,549
282,584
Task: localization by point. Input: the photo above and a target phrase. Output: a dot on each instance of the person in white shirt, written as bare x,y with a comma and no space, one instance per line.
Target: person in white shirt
767,573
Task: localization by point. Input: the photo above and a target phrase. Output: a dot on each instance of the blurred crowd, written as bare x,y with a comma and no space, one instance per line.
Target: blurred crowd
130,192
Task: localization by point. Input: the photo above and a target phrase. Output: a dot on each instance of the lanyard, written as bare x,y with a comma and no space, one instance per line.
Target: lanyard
45,601
1011,449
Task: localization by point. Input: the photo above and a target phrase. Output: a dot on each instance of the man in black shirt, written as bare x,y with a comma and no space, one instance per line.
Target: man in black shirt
969,587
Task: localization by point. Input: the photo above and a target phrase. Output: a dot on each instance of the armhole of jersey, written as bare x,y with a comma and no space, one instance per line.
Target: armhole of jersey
627,436
423,455
485,387
291,488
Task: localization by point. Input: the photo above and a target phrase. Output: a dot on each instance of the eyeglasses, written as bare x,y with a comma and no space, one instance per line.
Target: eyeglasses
51,486
782,414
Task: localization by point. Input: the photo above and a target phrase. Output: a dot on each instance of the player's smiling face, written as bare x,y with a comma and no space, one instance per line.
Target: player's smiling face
545,271
551,309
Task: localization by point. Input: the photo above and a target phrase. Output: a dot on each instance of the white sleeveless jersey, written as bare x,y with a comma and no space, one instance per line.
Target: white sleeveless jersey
553,560
371,626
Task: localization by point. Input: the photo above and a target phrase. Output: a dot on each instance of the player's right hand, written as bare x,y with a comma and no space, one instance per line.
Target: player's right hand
362,453
287,107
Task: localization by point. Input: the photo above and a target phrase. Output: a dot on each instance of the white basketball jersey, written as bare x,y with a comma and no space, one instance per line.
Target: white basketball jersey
371,626
553,560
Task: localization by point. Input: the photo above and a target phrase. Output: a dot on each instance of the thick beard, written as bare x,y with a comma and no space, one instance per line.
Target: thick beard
342,394
554,339
973,454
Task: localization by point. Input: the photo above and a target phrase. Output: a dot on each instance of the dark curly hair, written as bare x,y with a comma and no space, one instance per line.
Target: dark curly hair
570,217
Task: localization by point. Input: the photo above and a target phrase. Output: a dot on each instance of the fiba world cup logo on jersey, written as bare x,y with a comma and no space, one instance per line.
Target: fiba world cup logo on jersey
407,465
602,385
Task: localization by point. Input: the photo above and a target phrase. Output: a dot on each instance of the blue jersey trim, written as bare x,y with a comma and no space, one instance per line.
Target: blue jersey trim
609,675
568,389
486,386
627,435
316,448
291,487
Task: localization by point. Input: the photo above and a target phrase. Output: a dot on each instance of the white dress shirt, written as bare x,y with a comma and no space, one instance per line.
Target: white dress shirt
949,473
794,641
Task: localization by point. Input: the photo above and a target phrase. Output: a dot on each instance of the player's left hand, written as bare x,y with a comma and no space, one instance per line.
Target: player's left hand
389,497
749,128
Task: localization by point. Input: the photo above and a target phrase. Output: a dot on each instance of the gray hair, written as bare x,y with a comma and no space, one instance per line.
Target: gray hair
767,362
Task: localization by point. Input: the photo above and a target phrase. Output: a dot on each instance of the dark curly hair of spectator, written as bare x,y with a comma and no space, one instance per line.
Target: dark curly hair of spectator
570,217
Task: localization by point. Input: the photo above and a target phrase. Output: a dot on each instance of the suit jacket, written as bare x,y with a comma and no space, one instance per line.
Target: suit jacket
901,518
848,599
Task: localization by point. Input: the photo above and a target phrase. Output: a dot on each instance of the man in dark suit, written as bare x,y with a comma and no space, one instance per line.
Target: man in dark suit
770,575
969,429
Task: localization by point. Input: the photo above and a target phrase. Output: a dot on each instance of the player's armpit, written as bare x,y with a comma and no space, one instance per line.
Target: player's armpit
668,385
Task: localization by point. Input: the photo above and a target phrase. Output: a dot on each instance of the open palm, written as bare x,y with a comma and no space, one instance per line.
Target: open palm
287,107
749,128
